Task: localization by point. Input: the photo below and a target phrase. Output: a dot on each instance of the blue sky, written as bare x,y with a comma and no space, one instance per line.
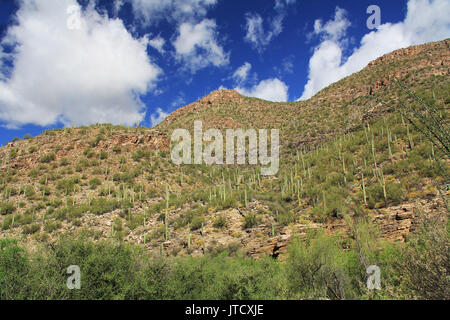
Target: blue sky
66,62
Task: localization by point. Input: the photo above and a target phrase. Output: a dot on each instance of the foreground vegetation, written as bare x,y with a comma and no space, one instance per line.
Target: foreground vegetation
322,266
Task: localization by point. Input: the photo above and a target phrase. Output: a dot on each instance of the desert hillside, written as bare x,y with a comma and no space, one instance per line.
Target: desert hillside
346,154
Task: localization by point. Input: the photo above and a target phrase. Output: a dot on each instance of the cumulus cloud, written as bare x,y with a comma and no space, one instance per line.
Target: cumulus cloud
158,117
333,29
258,35
425,21
158,44
241,74
72,68
153,11
269,89
196,46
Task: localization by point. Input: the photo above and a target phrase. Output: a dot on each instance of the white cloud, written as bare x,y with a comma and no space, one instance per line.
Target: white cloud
158,43
269,89
152,11
241,74
196,46
425,21
257,34
158,117
91,74
333,29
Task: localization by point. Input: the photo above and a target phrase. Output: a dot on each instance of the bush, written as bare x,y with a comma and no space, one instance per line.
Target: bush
7,208
7,223
117,149
250,220
51,225
13,153
140,154
14,268
103,155
29,192
220,222
47,158
30,229
425,263
395,192
32,149
67,185
96,141
316,269
285,218
94,183
102,205
63,162
197,222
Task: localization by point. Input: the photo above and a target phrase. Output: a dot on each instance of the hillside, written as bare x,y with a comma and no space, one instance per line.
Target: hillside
343,153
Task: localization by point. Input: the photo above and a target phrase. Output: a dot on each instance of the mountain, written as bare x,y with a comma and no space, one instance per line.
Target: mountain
344,154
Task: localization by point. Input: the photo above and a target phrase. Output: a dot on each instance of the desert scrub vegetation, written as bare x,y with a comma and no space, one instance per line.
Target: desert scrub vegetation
48,157
7,208
94,183
317,267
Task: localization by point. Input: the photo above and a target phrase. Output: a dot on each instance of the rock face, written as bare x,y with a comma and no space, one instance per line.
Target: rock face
435,53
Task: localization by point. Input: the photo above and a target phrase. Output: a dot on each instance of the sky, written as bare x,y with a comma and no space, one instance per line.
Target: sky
79,62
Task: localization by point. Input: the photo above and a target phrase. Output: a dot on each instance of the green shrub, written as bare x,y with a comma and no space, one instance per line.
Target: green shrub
285,218
220,222
14,267
7,208
94,183
395,192
32,228
67,185
29,192
32,149
96,141
250,220
63,162
317,270
51,225
140,154
101,206
103,155
7,223
48,157
117,149
13,153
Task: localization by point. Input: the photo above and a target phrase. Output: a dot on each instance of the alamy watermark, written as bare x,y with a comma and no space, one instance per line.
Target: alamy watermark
374,279
74,281
374,21
212,153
